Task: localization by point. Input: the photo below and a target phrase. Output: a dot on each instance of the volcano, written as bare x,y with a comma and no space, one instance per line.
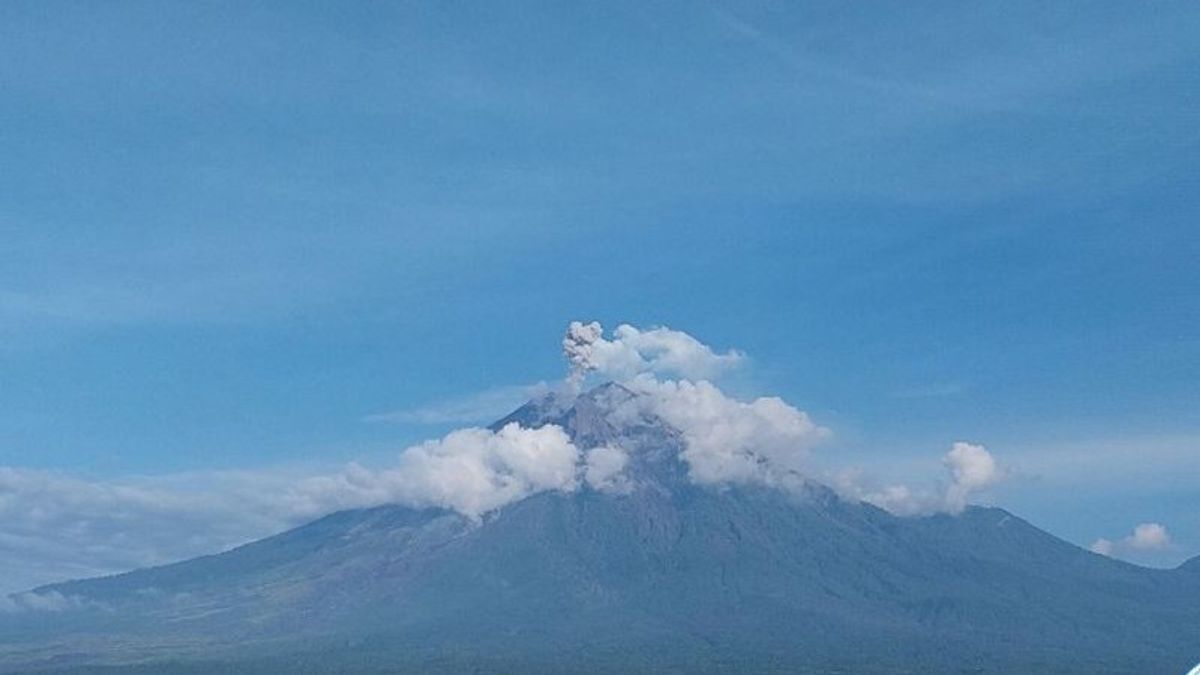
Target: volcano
662,575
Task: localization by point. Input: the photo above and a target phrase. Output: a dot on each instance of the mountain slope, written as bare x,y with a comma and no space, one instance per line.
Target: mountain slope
668,575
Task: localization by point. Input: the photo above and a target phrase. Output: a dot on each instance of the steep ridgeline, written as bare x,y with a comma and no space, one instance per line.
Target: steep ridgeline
667,575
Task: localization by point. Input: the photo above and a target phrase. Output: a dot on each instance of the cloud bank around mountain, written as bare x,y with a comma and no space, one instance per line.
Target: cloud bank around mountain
73,527
55,526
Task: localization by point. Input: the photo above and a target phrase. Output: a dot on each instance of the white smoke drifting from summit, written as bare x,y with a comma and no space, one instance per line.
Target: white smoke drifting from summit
765,441
632,352
727,441
578,346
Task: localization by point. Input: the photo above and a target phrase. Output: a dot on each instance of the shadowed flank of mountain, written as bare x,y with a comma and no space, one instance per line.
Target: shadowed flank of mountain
668,576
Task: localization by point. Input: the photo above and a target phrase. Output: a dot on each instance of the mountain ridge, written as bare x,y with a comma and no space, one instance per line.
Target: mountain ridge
668,575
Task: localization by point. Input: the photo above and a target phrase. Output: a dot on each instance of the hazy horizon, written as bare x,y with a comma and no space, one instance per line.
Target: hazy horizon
264,262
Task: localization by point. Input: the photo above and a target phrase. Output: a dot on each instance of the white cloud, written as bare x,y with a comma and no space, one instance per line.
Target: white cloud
730,441
41,601
762,441
1145,538
1149,537
899,500
632,352
484,406
54,526
971,467
726,441
605,469
474,471
81,527
471,471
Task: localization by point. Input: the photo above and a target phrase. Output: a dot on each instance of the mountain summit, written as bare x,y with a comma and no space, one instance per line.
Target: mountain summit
639,569
608,416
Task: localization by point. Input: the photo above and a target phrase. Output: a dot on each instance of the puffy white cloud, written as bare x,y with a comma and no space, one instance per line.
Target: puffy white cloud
604,470
474,471
1149,537
632,352
471,471
971,467
1145,538
730,441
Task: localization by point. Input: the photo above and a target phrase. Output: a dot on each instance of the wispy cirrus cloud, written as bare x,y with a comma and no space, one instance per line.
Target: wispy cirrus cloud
480,407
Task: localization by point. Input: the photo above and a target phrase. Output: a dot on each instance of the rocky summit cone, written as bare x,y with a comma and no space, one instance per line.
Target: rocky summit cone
662,574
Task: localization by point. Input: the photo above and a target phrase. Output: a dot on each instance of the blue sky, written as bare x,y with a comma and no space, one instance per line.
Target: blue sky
231,233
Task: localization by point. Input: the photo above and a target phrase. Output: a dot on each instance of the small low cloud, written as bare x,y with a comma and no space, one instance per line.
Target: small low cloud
1149,537
39,601
477,408
971,468
897,499
605,469
1145,538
